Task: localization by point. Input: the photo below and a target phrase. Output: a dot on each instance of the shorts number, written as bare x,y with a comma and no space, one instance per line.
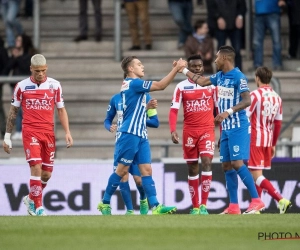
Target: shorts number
52,156
210,145
270,108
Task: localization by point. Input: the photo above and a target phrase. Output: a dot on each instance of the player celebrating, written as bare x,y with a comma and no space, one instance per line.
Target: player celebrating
233,98
38,95
132,143
265,112
198,135
115,108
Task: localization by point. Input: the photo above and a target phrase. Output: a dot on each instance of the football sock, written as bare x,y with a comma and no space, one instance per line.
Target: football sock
44,184
126,195
206,178
35,192
193,182
232,185
247,179
150,190
112,185
142,192
259,190
265,184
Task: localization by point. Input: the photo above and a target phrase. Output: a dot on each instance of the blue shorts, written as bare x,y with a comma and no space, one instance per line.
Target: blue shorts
235,144
132,149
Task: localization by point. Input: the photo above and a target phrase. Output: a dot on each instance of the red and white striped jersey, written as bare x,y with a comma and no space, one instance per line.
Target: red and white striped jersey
266,106
198,104
38,103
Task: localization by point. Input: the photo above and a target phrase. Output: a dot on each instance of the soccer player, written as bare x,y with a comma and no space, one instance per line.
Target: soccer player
115,108
198,137
233,98
132,143
265,112
38,95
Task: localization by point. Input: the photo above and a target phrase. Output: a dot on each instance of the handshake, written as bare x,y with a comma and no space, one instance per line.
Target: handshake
180,65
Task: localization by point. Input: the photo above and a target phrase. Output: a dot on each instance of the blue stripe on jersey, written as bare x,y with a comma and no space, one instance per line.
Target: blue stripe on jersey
230,86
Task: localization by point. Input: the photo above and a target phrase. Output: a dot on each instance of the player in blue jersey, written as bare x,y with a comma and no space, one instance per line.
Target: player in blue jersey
115,108
233,98
132,142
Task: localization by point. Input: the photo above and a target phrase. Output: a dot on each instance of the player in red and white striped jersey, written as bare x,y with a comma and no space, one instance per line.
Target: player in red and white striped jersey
38,95
198,138
265,113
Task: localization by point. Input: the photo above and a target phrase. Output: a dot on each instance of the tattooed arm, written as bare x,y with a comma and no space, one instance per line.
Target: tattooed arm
11,119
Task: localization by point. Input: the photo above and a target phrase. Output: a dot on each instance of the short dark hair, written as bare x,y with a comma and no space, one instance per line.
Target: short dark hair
264,74
194,57
198,24
228,50
125,63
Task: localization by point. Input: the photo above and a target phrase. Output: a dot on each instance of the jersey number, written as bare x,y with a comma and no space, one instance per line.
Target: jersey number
270,108
210,145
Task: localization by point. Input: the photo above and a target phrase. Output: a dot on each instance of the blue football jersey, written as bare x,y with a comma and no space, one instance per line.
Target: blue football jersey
134,102
230,86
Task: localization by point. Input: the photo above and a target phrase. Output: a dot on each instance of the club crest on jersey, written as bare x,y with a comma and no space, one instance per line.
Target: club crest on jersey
30,87
190,142
243,84
108,108
51,88
236,148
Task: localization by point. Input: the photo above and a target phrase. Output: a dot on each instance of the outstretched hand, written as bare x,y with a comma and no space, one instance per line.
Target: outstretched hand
180,65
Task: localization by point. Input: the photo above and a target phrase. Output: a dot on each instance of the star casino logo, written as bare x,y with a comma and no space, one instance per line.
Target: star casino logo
39,104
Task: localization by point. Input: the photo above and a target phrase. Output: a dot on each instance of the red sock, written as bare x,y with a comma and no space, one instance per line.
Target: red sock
259,190
193,182
44,184
206,178
35,192
267,185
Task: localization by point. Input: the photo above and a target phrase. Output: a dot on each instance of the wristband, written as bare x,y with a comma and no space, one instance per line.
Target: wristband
184,71
7,136
229,111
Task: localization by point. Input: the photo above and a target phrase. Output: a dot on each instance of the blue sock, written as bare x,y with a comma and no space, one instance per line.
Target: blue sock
126,195
247,178
232,185
149,187
142,192
112,185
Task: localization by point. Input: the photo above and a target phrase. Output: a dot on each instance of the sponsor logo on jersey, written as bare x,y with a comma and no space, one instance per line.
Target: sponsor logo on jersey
226,93
188,87
30,87
201,104
189,142
125,85
39,104
34,141
243,84
126,161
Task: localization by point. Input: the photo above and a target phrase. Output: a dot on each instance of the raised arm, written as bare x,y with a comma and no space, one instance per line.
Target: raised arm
163,83
201,80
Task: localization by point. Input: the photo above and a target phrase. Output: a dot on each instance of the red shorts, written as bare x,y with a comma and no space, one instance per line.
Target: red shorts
39,148
260,157
197,143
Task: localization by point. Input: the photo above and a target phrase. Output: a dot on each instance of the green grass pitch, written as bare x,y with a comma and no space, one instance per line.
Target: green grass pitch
165,232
